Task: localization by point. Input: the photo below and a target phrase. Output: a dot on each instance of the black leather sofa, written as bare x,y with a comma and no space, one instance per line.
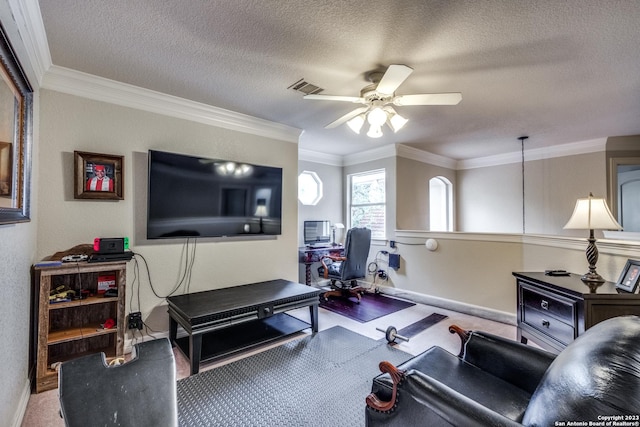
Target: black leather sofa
498,382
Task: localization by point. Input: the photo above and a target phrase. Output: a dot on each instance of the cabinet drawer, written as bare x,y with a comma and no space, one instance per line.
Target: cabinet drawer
549,304
548,325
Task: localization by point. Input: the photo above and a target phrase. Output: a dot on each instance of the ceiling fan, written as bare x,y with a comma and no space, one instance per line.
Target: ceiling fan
379,98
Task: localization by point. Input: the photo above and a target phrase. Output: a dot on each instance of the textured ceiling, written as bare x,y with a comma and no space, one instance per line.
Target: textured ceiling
559,71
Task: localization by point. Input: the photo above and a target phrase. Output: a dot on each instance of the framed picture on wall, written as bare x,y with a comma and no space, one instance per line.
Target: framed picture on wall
98,176
630,276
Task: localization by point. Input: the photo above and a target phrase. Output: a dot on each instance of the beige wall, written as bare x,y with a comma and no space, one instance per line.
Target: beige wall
469,271
553,185
412,182
489,199
72,123
17,254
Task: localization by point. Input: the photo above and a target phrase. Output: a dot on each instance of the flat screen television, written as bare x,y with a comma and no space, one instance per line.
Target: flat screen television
190,196
317,232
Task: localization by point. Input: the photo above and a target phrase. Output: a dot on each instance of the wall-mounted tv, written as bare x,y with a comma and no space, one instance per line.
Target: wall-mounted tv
190,196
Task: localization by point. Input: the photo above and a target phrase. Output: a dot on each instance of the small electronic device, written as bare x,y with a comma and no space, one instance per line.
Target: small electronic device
317,233
116,245
394,261
557,273
74,258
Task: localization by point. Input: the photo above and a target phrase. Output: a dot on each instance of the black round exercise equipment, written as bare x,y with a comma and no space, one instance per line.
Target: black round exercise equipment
391,334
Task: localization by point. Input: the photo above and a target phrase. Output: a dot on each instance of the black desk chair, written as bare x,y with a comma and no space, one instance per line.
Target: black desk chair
141,392
344,271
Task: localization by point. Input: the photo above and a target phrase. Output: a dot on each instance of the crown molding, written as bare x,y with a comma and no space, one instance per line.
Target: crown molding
28,18
318,157
97,88
370,155
425,157
570,149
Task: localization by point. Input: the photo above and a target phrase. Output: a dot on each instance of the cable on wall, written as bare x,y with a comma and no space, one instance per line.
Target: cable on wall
522,139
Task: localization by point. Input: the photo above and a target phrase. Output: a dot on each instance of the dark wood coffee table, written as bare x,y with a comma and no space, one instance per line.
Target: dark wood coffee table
224,321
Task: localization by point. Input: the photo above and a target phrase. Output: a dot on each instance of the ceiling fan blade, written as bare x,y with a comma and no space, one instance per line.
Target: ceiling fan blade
354,99
393,78
429,99
346,117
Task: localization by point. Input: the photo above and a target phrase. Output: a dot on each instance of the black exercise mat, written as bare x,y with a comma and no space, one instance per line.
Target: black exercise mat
371,306
319,380
421,325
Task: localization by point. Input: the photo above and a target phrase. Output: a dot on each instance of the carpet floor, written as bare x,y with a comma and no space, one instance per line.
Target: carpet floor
371,306
319,380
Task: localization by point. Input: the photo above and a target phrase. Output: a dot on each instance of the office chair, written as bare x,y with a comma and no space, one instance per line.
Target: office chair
346,269
140,392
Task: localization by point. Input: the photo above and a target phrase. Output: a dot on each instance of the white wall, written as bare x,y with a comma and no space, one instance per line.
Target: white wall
73,123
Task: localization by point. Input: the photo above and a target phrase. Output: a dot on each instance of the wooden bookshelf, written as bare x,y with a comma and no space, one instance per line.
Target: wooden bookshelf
69,329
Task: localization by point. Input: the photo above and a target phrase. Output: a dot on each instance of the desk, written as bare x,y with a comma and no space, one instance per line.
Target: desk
237,318
308,255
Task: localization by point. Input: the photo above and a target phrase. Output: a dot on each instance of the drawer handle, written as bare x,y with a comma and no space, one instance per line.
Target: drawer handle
545,323
544,304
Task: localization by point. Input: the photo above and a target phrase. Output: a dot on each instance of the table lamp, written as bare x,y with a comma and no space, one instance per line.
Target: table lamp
261,210
592,213
333,231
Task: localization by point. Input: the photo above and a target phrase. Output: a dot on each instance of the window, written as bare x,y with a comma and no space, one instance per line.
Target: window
440,204
367,199
309,188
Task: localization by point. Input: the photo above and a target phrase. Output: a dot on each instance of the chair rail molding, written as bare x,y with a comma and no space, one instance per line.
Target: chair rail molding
605,246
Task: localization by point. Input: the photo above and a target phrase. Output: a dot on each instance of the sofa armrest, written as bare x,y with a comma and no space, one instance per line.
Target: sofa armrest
424,399
516,363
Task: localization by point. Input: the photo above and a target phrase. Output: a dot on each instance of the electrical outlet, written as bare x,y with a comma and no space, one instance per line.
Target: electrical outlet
135,320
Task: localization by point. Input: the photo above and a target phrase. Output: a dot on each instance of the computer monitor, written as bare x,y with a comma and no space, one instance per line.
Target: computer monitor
317,232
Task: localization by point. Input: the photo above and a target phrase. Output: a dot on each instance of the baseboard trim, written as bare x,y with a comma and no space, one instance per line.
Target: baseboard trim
460,307
22,405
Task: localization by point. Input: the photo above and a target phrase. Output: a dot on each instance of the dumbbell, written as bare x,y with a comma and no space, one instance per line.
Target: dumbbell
391,334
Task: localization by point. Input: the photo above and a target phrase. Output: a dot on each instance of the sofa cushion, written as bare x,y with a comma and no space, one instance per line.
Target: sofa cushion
465,378
597,374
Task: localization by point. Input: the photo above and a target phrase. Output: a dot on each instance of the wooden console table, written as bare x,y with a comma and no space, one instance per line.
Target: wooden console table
224,321
555,310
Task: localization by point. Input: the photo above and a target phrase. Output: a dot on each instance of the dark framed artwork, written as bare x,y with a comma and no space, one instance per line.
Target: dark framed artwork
16,132
630,276
98,176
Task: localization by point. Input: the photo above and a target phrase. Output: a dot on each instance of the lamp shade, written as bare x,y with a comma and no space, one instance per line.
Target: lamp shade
377,117
261,208
592,213
356,123
338,225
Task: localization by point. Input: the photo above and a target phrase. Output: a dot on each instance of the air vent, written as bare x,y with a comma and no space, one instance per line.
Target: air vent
305,87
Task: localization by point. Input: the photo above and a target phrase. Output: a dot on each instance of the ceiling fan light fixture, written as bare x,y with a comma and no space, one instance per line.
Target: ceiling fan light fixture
374,131
377,117
397,122
356,123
